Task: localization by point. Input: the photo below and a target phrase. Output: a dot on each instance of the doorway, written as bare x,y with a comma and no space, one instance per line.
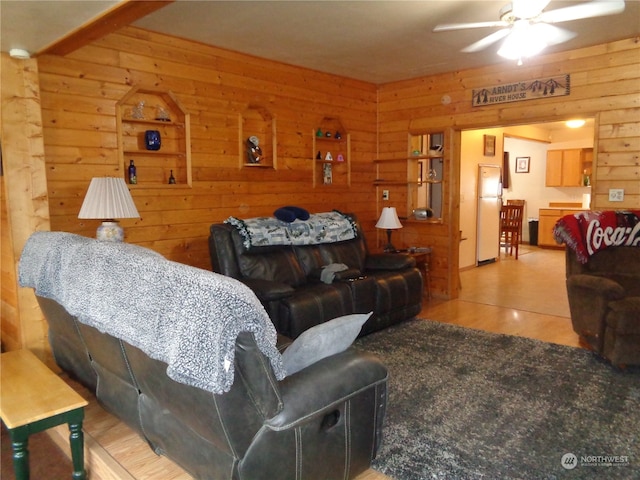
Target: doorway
530,141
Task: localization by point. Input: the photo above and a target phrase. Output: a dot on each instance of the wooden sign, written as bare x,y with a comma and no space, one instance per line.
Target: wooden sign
519,91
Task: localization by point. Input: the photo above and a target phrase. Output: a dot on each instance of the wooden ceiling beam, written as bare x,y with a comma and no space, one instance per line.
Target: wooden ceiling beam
122,14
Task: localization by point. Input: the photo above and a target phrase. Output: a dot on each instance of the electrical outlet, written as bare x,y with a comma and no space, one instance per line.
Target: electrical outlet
385,194
616,194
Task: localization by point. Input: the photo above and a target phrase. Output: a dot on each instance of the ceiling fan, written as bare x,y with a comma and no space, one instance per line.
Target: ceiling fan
527,28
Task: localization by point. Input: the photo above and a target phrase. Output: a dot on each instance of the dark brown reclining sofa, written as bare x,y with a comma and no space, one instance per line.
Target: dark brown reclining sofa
323,422
287,280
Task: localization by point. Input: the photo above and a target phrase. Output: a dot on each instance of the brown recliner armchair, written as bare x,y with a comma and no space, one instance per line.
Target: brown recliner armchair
604,300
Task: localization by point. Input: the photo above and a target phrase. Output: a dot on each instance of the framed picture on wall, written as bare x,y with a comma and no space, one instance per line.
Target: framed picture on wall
489,146
522,164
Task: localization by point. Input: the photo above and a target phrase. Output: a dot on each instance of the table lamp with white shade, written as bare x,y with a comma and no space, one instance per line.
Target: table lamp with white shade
389,220
108,198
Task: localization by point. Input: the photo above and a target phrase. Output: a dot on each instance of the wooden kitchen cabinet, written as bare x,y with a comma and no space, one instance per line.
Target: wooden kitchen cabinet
548,217
566,168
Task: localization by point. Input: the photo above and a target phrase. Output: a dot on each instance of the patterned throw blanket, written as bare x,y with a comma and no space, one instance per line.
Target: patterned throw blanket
186,317
589,232
325,227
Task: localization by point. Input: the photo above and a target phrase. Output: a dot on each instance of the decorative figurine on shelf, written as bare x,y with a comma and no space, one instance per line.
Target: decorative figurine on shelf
327,174
319,156
319,132
340,157
137,112
133,178
172,179
161,114
436,150
254,152
328,134
338,135
328,157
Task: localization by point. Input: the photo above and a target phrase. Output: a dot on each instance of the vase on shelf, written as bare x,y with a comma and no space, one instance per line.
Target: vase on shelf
152,140
137,112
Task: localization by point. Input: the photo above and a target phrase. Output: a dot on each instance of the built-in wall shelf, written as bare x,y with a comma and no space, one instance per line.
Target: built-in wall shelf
331,154
142,110
414,177
257,122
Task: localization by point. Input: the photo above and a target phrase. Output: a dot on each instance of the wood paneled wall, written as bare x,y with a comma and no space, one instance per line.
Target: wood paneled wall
605,83
79,94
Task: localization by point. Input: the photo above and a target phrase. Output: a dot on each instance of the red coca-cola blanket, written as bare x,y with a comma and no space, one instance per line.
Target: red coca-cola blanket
589,232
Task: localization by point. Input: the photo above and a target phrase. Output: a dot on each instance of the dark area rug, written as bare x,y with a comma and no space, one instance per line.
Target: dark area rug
466,404
46,460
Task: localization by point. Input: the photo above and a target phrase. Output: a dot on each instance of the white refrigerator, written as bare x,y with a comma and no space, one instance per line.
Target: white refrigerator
489,204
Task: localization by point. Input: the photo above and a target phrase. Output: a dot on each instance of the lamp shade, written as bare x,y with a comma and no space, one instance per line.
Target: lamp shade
389,219
108,198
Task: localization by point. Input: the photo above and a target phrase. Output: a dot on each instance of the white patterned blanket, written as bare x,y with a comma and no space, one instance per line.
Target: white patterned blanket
186,317
327,227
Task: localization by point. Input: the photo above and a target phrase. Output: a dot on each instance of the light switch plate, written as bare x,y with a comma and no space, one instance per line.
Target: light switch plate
385,194
616,194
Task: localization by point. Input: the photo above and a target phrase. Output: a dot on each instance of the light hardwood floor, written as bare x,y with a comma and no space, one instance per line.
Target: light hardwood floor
525,297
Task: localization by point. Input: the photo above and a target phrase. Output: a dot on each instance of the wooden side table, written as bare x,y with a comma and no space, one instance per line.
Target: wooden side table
423,262
33,399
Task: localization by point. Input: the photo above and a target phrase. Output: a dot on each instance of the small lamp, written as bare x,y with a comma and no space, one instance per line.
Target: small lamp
389,221
108,198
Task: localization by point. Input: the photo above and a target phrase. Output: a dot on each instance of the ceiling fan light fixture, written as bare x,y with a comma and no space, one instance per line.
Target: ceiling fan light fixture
522,42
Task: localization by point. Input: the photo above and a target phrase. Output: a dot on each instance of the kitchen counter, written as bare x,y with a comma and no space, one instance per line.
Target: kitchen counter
548,217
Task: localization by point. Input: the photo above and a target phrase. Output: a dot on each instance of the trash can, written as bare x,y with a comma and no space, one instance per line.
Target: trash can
533,231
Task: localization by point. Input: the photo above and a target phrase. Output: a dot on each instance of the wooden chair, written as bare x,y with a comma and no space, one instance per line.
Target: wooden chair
518,202
510,227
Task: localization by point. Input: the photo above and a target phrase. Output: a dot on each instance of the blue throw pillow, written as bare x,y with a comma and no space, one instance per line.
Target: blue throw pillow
285,214
300,212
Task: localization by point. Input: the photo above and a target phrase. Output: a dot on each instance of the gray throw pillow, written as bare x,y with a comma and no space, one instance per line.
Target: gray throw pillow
322,341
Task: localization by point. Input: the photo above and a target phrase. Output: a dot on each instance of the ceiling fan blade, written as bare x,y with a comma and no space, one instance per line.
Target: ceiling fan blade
486,41
585,10
461,26
528,8
552,35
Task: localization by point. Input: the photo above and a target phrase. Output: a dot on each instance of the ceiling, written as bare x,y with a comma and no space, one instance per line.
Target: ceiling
375,41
